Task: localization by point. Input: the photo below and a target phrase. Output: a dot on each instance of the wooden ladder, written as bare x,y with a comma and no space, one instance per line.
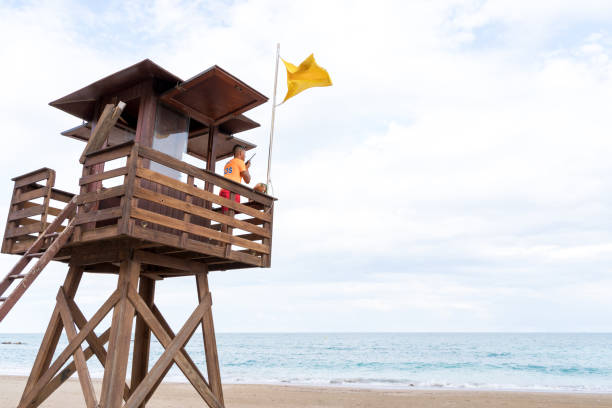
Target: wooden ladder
58,239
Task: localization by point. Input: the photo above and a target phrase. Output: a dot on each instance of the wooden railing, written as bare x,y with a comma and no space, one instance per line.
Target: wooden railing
33,207
188,213
101,208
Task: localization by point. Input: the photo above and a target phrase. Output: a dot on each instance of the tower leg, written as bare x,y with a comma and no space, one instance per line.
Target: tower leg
210,342
53,332
120,337
142,336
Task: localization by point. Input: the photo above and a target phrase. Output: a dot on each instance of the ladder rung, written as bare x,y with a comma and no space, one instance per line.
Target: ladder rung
2,299
51,234
37,254
17,276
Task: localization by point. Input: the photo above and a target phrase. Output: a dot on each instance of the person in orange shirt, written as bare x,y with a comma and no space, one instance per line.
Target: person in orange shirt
237,170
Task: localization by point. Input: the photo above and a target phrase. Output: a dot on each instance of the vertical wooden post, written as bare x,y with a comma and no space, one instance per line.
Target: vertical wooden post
125,224
210,342
211,162
53,332
146,115
120,337
142,336
50,183
211,158
7,244
187,216
267,258
228,229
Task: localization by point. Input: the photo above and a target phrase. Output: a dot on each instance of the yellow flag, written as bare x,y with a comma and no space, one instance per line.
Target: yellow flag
307,75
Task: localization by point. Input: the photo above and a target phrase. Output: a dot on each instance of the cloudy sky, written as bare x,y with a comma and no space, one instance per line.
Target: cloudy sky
456,177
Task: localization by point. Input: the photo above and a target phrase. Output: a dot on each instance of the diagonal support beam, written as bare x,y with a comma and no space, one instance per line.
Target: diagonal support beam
95,343
67,372
157,313
53,332
172,346
31,399
210,341
79,358
142,336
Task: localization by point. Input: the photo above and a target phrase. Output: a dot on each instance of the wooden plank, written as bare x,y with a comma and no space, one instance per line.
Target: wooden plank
171,353
228,229
7,244
109,153
53,332
152,275
95,342
100,215
31,173
196,192
100,233
90,254
60,195
210,342
213,178
192,113
101,195
30,195
21,231
255,205
223,266
164,324
105,123
52,211
30,400
31,211
197,210
28,221
67,372
47,199
30,178
267,258
146,114
121,171
142,336
79,357
193,245
22,246
187,216
107,113
126,202
254,221
166,261
155,218
175,241
120,338
250,237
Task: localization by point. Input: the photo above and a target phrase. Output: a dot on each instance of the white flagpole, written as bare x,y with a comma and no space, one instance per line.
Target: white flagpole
272,121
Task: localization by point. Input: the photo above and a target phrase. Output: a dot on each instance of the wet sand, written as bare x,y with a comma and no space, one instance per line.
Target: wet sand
273,396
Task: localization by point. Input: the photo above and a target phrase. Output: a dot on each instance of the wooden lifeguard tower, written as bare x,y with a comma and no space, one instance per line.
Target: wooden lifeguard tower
142,214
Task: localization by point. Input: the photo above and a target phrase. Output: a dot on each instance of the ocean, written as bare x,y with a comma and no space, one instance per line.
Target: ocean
566,362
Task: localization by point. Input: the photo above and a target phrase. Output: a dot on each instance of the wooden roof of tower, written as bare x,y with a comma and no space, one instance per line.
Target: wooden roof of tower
213,97
82,103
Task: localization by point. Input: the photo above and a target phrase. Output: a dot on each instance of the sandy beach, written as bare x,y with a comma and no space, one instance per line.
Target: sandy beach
271,396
